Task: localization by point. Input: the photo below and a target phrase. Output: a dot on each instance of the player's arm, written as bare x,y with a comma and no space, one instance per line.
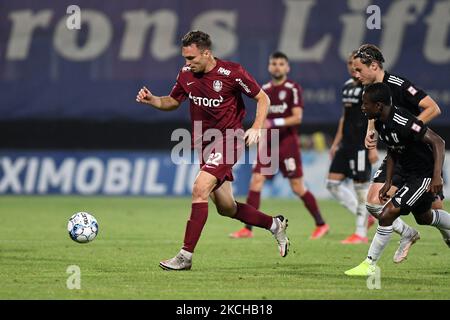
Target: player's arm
253,134
293,120
337,138
371,135
390,163
438,145
430,109
166,103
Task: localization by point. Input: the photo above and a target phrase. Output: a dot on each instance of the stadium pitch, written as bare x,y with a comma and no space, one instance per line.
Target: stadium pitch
38,257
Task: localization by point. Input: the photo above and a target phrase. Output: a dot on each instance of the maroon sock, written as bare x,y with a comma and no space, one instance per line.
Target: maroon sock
311,204
251,216
253,199
195,224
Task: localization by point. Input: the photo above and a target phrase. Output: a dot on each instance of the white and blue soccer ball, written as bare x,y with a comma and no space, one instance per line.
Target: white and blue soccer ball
82,227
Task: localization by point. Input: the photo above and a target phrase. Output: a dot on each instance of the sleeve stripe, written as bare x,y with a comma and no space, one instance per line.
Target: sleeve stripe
397,82
295,94
400,120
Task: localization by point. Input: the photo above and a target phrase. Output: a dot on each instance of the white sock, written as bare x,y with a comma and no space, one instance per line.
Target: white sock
343,194
187,254
361,211
441,219
399,226
379,242
445,234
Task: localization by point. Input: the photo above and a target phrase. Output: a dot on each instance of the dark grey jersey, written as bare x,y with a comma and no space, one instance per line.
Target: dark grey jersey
402,133
404,93
355,122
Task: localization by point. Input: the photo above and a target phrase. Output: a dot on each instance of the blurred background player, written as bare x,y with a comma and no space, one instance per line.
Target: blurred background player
351,159
421,153
368,66
285,114
214,89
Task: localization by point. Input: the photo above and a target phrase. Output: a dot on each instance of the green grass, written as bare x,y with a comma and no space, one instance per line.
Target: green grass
136,233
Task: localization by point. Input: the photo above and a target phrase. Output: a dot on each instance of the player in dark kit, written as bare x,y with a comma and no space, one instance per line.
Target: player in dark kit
351,159
368,66
421,153
214,89
285,114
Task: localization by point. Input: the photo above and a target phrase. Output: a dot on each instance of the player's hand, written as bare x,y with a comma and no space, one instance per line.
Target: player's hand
436,185
371,140
383,194
144,96
333,150
252,136
373,155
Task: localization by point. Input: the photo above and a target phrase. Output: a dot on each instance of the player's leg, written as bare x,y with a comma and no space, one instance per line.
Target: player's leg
382,237
437,218
339,170
374,206
203,185
253,198
290,165
227,206
310,202
360,171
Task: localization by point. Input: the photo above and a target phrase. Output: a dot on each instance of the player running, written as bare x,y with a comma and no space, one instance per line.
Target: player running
214,88
368,66
421,153
285,114
351,159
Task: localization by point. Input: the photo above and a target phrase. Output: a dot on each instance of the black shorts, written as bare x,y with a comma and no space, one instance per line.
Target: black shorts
398,178
353,163
413,196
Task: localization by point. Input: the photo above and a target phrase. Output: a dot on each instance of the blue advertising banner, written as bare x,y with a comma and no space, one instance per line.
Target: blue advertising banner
50,69
128,173
125,173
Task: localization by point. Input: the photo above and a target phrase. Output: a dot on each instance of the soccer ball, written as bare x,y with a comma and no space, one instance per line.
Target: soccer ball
82,227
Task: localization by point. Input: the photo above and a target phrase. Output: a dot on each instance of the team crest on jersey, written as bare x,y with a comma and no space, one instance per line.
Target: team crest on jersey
282,95
412,90
217,85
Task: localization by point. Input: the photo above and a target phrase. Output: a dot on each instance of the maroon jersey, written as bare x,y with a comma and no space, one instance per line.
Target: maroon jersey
283,98
215,97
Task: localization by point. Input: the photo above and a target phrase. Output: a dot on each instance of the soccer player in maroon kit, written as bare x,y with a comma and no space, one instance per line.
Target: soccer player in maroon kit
285,114
214,89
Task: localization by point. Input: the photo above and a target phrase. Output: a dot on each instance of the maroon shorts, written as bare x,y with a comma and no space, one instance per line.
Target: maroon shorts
289,161
220,157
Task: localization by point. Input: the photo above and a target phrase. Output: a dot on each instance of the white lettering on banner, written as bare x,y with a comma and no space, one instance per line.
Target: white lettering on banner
24,22
117,178
298,18
11,171
138,24
31,175
221,24
184,178
138,176
438,22
151,184
100,34
400,14
147,175
293,33
353,33
89,176
57,178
